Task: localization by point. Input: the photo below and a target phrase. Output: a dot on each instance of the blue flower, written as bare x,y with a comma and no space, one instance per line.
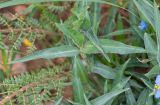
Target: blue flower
157,94
143,25
157,87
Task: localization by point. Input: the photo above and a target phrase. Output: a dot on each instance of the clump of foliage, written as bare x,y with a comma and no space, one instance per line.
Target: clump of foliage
23,29
34,88
111,64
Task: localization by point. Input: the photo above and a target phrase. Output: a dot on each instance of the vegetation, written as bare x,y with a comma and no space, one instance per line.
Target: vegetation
112,51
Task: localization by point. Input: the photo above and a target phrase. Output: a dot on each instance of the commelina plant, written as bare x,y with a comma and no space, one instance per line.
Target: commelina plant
113,62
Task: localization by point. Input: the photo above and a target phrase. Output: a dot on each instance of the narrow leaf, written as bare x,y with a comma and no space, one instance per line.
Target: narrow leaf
157,28
59,101
76,36
130,99
146,8
104,71
102,100
50,53
86,100
111,46
153,72
119,32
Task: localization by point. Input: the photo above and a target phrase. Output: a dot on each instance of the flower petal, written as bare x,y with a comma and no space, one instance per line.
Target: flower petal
157,81
157,94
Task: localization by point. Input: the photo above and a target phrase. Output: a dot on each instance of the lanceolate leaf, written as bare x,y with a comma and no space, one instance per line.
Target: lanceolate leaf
86,100
120,73
17,2
130,98
110,25
151,48
104,71
146,8
96,42
111,46
120,85
51,53
141,77
78,91
153,72
79,70
76,36
59,101
150,45
119,32
144,98
78,76
157,28
102,100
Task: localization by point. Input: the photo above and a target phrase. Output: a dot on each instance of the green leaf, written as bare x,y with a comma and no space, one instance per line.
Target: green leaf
157,28
141,77
119,81
102,100
120,73
119,32
17,2
120,85
79,70
104,71
153,72
78,91
149,100
132,18
146,8
106,86
111,46
151,48
135,84
59,101
144,98
110,25
138,32
76,36
96,43
150,44
86,100
96,17
130,99
51,53
2,76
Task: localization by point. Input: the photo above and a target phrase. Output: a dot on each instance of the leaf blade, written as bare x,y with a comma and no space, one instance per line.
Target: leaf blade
50,53
102,100
111,46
